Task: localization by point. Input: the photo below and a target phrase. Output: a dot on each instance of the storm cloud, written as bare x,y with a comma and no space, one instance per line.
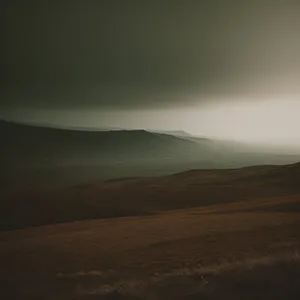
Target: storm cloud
146,54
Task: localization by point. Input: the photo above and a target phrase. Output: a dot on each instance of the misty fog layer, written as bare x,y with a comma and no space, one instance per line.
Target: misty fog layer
227,69
272,122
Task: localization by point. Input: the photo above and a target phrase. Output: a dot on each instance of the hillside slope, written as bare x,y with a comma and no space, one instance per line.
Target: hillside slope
136,196
80,260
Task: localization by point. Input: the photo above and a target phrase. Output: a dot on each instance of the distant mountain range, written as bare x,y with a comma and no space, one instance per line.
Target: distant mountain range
181,133
33,145
74,156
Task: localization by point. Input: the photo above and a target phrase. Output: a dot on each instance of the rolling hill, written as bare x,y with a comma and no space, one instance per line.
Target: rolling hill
147,236
228,239
141,196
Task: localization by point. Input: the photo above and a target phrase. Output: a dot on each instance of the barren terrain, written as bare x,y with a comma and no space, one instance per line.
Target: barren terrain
196,218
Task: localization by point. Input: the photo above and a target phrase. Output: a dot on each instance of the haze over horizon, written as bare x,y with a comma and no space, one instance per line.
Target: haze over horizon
229,70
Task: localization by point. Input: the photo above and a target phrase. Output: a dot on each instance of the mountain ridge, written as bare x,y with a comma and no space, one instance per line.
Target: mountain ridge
49,157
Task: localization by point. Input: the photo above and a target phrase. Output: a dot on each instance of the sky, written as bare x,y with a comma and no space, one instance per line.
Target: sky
229,69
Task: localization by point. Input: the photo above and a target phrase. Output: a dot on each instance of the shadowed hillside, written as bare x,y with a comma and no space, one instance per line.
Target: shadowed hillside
48,157
33,156
32,145
135,196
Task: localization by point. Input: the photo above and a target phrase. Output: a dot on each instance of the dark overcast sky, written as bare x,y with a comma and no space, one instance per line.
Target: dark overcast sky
146,54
